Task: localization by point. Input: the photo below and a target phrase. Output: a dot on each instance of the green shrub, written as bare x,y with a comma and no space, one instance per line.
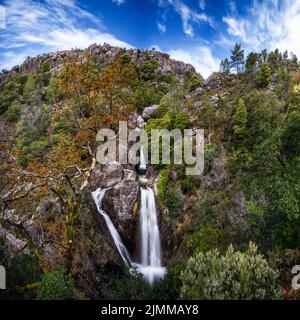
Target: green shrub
44,67
32,132
264,74
56,285
21,270
13,112
38,147
235,275
205,238
147,70
188,185
9,92
29,87
130,286
163,183
173,201
195,83
182,121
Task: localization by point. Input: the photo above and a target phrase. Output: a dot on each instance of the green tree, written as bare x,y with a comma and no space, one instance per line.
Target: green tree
234,276
264,75
196,82
251,63
240,118
237,57
225,66
56,285
264,55
29,87
291,136
13,112
182,121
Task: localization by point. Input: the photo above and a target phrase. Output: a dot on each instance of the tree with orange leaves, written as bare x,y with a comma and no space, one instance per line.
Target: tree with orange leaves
116,85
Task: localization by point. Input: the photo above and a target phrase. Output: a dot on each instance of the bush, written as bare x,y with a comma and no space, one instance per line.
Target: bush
196,82
22,271
264,75
235,275
147,70
206,238
56,285
173,201
29,87
163,183
32,132
13,112
130,286
182,121
188,185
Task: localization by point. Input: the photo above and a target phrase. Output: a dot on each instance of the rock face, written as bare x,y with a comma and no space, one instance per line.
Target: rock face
149,112
122,197
95,250
104,54
95,255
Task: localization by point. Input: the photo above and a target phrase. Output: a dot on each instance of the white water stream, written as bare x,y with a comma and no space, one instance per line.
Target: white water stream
150,266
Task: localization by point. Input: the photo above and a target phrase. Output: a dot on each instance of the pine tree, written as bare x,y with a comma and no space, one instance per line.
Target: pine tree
264,76
251,63
285,55
225,66
294,58
237,58
264,55
240,118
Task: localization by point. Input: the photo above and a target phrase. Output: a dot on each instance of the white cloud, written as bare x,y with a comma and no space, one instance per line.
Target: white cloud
232,7
161,27
200,57
188,15
268,24
202,4
235,27
36,28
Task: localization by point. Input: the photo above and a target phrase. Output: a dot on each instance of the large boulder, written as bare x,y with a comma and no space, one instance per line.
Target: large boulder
149,112
108,176
119,203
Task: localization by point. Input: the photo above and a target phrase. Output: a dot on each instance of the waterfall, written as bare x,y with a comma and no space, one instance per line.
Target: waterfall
150,265
98,196
143,164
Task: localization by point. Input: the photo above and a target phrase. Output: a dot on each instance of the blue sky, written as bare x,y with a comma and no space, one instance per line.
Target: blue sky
200,32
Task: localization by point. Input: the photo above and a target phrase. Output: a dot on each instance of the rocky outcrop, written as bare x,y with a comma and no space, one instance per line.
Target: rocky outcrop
122,197
149,112
95,256
27,224
14,245
103,54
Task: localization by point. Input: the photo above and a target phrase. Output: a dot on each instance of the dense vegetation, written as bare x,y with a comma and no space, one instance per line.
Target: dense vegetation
249,191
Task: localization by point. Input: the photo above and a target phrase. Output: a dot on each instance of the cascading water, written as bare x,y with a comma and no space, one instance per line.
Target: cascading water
150,265
98,196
